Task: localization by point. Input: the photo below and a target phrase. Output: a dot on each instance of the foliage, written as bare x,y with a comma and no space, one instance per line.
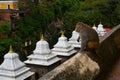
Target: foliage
4,28
70,12
4,43
104,7
93,11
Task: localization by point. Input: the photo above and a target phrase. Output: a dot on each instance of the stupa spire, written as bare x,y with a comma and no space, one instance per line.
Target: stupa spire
100,22
42,38
11,49
63,32
94,24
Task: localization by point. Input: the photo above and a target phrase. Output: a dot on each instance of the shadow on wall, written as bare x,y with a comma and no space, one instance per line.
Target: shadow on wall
109,52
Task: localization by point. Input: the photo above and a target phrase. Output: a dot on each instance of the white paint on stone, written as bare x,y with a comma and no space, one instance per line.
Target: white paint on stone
13,69
42,55
63,48
74,40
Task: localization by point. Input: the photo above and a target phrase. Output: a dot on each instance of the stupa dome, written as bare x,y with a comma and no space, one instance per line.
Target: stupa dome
75,35
100,27
62,43
42,47
11,56
74,40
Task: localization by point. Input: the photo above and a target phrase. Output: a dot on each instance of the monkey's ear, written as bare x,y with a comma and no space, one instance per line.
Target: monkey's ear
77,28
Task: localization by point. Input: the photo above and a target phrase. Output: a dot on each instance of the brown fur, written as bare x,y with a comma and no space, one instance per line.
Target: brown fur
89,37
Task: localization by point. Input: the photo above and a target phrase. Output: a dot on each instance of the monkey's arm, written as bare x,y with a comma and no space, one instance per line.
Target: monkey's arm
84,40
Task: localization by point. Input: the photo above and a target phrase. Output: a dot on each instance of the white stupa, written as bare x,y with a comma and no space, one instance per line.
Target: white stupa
74,40
42,55
62,47
95,28
101,31
12,68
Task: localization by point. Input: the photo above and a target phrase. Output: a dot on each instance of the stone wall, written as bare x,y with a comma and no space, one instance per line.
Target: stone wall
109,52
79,67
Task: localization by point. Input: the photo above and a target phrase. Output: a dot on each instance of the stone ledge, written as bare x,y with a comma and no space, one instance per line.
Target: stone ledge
80,66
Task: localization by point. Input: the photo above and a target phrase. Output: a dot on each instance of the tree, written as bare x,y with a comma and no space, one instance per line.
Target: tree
5,28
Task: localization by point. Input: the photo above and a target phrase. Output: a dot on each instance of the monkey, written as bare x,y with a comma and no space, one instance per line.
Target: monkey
89,37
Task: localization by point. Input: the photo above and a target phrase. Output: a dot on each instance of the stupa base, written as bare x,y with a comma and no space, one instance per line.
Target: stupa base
19,77
43,62
75,44
64,53
41,70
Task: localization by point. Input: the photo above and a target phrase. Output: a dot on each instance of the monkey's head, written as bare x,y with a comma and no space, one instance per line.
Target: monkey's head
78,26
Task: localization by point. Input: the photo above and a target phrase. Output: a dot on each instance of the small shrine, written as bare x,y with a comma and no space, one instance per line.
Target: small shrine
74,40
101,31
62,47
42,54
13,69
